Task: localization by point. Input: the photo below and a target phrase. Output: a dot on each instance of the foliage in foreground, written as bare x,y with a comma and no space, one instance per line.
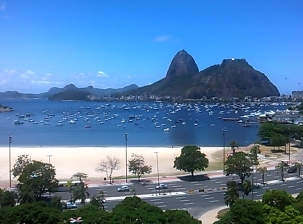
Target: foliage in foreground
130,210
277,207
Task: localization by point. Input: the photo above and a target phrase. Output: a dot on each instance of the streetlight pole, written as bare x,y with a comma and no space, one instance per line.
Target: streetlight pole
158,168
288,145
252,184
49,158
9,162
125,135
223,133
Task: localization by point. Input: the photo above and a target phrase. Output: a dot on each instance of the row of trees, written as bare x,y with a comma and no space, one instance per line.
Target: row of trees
130,210
277,206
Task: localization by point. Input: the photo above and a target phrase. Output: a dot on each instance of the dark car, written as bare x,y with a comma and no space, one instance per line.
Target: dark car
292,169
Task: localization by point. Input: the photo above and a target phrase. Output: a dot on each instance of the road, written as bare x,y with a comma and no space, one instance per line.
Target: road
196,203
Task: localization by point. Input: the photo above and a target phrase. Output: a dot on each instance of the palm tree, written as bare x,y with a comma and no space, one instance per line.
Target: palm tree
233,145
80,193
232,193
299,165
262,170
69,185
281,167
247,187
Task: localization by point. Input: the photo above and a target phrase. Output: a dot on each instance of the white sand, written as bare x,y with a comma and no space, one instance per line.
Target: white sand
70,160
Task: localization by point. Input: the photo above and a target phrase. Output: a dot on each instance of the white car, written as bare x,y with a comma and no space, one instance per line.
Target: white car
123,188
161,186
69,205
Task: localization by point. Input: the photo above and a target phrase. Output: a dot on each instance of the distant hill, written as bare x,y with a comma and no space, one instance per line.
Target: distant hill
231,78
69,92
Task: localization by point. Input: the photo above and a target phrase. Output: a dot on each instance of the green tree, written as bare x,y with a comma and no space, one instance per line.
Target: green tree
232,193
299,165
255,149
281,168
20,164
246,212
108,166
277,198
36,179
7,198
136,165
69,185
240,164
191,159
262,170
247,187
80,191
233,145
98,200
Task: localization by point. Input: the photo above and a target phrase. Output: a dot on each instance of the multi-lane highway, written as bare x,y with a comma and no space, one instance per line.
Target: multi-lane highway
180,194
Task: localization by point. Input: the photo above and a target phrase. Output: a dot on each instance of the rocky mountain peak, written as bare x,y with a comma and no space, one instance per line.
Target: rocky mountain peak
182,64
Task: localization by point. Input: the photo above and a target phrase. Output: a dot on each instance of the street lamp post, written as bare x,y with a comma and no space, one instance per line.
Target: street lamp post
9,160
158,171
252,184
157,167
125,135
223,133
49,158
288,145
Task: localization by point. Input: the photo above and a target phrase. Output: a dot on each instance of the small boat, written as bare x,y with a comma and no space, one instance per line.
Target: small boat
166,129
18,122
88,126
72,122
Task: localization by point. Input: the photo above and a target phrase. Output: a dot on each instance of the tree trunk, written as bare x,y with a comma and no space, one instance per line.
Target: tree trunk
192,173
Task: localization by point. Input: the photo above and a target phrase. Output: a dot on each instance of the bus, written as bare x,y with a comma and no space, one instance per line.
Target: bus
62,185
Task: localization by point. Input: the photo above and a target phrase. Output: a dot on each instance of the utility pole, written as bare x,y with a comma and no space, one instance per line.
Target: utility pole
223,133
10,164
125,135
49,158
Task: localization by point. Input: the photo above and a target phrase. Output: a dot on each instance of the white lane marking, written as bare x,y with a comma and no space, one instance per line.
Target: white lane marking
214,201
190,203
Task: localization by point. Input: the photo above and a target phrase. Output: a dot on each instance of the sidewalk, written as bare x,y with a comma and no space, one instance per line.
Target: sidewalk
210,216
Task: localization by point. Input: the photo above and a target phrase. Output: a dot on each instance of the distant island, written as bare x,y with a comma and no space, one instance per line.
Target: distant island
232,79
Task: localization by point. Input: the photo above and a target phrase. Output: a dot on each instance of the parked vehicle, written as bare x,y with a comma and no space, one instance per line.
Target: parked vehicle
69,205
292,169
123,188
161,186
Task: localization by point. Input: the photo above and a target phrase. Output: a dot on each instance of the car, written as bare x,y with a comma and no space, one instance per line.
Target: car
123,188
292,169
161,186
69,205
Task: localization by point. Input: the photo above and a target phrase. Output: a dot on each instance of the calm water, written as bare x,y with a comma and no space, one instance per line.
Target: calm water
101,124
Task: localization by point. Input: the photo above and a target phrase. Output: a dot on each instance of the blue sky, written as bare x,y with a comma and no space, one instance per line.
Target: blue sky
111,44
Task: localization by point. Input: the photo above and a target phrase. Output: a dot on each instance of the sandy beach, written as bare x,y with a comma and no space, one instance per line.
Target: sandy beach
70,160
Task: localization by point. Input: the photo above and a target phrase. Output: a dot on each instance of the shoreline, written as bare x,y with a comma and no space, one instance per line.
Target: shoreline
70,160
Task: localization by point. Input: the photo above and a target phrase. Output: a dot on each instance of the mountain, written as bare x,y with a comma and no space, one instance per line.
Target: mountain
71,92
67,92
182,64
231,78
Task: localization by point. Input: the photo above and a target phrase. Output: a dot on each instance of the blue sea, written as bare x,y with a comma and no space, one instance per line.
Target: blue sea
74,123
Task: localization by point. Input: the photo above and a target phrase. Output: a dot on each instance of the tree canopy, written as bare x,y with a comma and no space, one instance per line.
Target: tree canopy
36,179
240,164
191,159
136,165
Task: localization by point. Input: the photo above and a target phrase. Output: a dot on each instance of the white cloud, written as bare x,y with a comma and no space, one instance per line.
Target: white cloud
162,38
102,74
44,82
2,6
27,74
9,71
